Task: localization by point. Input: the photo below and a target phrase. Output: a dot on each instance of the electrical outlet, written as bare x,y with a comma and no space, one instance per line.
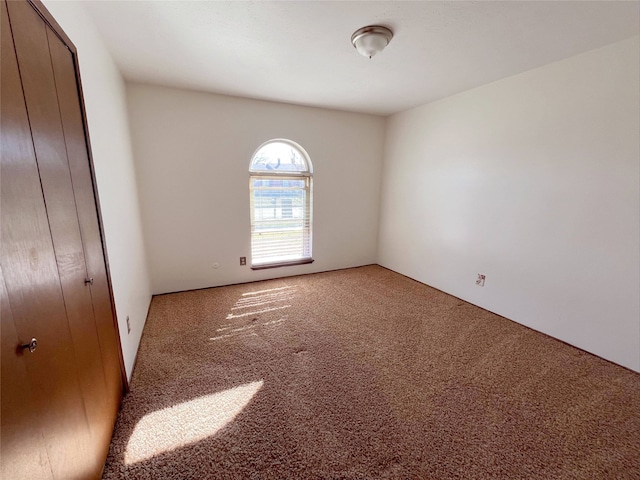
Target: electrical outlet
243,261
128,325
480,280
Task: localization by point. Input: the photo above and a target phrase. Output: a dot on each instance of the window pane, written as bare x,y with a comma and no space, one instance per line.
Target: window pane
280,223
279,157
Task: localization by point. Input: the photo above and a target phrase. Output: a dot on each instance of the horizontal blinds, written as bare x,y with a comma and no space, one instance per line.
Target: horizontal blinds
280,218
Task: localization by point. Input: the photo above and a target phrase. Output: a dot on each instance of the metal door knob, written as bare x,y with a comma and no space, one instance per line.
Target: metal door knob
32,345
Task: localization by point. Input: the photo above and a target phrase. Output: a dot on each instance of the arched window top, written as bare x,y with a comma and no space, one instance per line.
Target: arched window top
280,156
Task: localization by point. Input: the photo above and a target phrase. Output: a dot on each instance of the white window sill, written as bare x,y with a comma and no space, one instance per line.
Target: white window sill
262,266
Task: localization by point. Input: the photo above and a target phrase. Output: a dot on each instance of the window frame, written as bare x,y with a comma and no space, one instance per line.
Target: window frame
264,174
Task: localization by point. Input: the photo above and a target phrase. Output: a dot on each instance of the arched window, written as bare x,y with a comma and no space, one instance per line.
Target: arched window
281,205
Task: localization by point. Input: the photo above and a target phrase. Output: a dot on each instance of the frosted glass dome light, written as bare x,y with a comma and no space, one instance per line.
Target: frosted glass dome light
371,40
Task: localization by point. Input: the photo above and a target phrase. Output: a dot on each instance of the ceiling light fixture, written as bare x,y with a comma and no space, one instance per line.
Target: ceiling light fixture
371,40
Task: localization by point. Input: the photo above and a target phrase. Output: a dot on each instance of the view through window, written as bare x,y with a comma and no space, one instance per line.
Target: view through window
280,186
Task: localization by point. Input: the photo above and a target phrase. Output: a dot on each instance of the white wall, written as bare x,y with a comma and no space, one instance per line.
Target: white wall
105,101
192,154
534,181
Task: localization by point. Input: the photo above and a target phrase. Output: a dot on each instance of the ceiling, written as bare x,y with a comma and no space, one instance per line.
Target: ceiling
300,51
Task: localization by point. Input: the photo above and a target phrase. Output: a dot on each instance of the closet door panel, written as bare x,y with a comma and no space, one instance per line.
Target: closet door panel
76,144
34,295
33,53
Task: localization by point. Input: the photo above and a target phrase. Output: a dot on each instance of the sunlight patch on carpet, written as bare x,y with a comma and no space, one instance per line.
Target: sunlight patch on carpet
229,333
264,297
265,302
257,312
187,423
258,292
248,327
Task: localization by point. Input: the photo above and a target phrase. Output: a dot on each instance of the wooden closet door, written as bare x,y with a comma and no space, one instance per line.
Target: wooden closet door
77,152
49,429
36,46
53,265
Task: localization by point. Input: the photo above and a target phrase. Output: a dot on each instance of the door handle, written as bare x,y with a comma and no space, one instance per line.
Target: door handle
88,281
31,346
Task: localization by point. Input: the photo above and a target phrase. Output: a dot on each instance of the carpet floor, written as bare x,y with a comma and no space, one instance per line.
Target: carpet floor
365,374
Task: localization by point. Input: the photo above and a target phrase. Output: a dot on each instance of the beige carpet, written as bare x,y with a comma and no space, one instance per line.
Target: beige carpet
363,374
